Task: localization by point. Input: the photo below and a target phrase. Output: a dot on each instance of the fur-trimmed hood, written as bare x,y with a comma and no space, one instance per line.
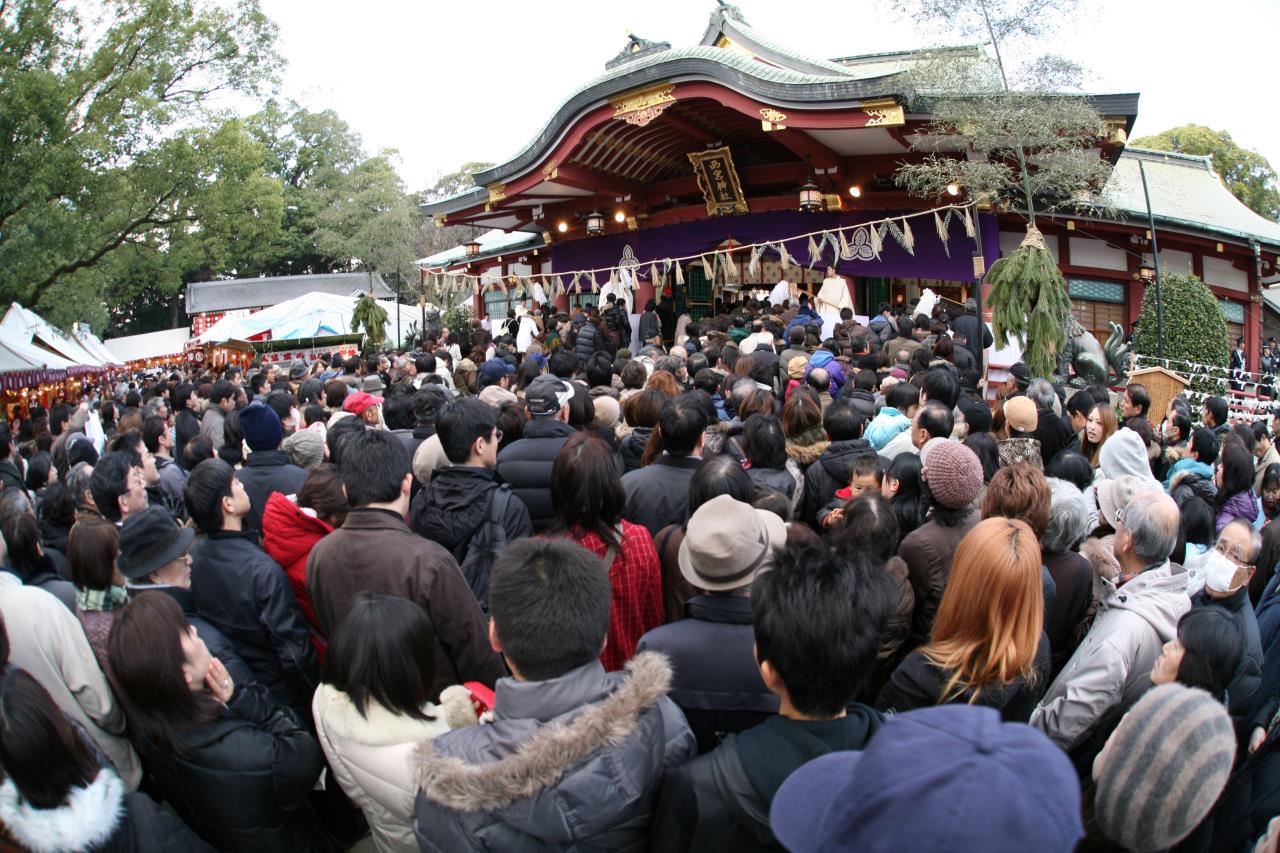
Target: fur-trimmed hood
805,455
88,819
541,761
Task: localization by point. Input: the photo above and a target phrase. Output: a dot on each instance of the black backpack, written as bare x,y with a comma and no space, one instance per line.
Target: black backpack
487,541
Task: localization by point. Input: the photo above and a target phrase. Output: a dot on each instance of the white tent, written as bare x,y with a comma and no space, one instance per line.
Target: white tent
28,327
308,316
24,355
149,345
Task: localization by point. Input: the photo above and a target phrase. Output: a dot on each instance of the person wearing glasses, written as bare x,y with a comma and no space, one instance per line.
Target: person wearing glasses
1227,573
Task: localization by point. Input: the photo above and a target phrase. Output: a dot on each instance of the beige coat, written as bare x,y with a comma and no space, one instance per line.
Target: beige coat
370,755
46,641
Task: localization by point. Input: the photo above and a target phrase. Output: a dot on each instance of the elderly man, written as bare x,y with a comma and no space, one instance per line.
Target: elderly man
1227,573
1112,666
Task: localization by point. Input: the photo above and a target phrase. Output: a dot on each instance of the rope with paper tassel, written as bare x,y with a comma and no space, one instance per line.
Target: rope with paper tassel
443,283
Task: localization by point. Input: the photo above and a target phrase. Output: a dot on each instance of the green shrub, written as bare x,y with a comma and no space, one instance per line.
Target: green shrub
1194,331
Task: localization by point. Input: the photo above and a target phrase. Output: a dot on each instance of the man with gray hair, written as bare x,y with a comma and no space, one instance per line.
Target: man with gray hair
1227,572
1050,431
1137,614
1072,573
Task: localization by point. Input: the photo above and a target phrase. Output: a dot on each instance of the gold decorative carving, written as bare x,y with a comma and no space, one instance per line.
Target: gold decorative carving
551,171
441,219
885,112
643,105
771,119
497,192
718,179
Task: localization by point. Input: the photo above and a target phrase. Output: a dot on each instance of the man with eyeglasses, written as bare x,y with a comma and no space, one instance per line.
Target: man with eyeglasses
1111,667
464,507
1227,572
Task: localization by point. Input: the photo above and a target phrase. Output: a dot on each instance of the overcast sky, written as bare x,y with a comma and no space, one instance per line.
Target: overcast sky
445,82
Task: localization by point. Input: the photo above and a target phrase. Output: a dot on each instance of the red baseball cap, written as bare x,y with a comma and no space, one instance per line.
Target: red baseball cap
359,401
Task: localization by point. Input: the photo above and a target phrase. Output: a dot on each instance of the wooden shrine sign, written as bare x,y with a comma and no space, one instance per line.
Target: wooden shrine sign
718,180
1162,386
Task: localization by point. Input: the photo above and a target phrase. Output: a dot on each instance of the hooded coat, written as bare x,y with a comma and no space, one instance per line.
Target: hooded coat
1125,453
631,449
100,817
573,762
451,508
833,470
1111,668
288,535
824,359
1241,506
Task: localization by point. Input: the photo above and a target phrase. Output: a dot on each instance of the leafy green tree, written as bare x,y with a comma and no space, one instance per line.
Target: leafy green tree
1248,174
89,157
1194,329
1012,135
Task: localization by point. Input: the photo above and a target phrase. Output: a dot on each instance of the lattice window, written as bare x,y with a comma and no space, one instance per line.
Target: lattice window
1097,317
1232,311
1096,291
496,304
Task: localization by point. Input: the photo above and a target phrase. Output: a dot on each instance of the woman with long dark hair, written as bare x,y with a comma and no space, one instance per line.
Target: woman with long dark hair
374,707
586,491
233,762
92,552
1205,653
988,645
1233,475
765,447
58,795
904,490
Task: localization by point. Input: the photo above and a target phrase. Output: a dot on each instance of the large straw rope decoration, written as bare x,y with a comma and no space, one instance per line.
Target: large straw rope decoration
861,242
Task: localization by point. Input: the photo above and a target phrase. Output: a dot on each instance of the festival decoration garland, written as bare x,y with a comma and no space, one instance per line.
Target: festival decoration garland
861,242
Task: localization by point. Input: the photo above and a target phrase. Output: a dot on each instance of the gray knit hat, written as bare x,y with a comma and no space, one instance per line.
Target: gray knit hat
305,448
1164,768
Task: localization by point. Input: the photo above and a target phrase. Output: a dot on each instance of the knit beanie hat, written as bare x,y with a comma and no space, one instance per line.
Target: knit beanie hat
305,448
261,426
954,474
796,366
1164,768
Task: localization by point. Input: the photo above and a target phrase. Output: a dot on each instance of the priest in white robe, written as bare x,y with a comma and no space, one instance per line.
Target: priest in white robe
833,296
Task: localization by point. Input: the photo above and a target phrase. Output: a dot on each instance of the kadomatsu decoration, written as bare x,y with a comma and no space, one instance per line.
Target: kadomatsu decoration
1028,293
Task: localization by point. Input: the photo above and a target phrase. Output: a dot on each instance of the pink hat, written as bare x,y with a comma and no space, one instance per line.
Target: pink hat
358,402
954,474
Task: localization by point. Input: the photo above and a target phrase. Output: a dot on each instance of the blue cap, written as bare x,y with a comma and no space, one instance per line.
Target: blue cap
492,371
938,779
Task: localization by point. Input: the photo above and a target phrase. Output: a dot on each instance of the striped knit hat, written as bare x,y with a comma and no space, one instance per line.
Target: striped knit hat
1165,766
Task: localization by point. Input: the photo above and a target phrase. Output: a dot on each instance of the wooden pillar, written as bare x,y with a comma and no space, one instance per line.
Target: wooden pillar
1253,318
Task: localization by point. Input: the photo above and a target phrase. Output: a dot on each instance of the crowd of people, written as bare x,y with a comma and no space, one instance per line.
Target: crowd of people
744,588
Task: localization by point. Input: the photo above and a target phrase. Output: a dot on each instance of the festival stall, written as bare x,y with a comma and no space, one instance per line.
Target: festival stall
42,364
309,317
161,349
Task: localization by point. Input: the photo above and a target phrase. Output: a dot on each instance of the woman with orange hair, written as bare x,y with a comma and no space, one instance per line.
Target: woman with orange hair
988,645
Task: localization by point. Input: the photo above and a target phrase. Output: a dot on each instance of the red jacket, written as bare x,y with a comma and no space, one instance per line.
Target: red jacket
288,535
636,578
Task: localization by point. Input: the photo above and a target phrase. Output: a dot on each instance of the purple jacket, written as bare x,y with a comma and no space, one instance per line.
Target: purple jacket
1241,505
824,359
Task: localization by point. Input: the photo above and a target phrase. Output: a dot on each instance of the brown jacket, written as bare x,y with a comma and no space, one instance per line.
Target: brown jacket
375,551
928,551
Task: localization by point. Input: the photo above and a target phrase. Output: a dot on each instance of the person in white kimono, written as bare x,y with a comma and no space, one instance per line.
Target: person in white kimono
833,296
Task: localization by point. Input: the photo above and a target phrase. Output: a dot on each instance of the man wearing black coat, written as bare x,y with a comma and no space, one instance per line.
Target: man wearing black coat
244,593
658,494
816,640
977,337
833,469
186,424
525,464
267,469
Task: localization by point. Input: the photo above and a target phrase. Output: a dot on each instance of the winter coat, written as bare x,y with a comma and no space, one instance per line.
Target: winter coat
186,426
1192,482
864,402
571,763
11,477
1240,692
1111,668
47,642
824,359
525,466
1268,458
1052,434
658,495
97,818
370,755
928,551
288,535
631,449
246,595
720,801
173,480
649,327
919,683
266,472
211,426
714,677
805,449
788,480
635,578
1073,579
897,626
374,551
901,443
243,780
976,334
587,341
452,507
1241,505
1187,463
215,641
885,426
833,470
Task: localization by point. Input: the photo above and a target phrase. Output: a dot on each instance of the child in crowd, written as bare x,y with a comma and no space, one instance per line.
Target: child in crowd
867,476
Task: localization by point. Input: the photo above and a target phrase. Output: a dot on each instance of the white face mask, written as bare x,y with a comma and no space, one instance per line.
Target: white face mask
1218,570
